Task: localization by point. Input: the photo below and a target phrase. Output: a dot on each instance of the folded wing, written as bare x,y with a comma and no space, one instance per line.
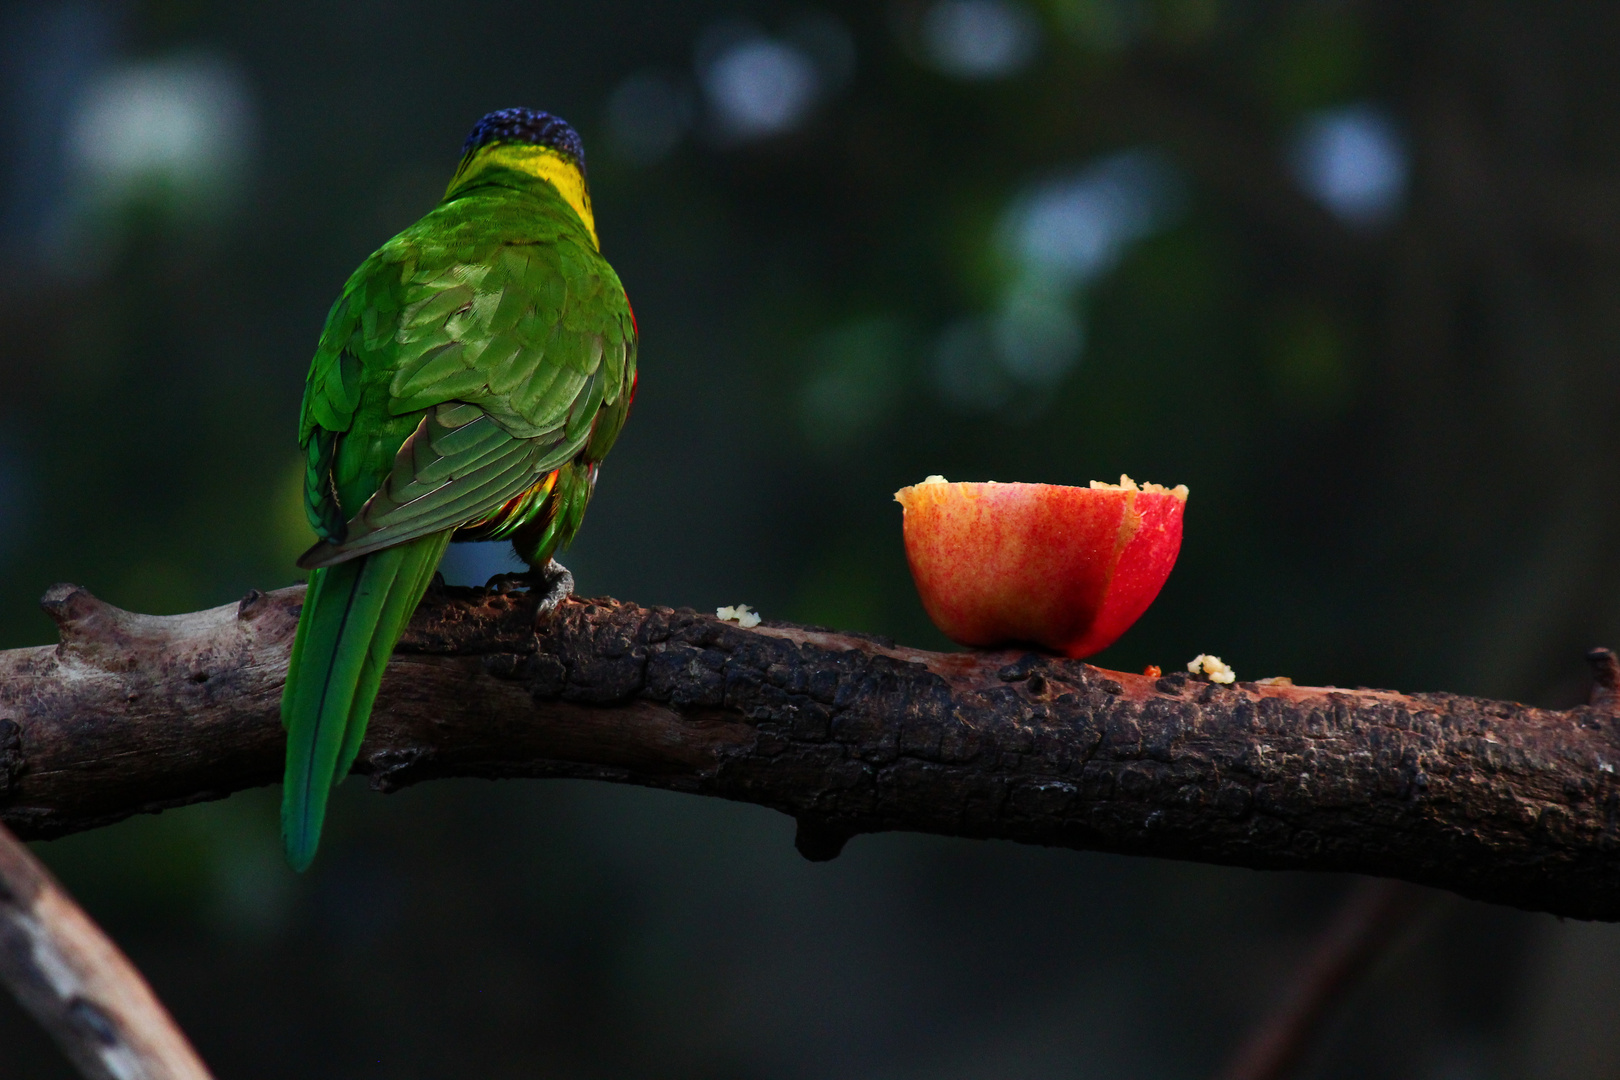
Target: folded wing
511,354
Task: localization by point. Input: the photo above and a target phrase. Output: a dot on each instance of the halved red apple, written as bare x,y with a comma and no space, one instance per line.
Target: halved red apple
1066,568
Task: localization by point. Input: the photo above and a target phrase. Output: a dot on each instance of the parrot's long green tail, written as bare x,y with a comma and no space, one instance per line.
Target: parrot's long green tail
353,615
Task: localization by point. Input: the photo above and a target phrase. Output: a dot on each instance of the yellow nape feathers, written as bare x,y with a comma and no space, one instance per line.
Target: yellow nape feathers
538,161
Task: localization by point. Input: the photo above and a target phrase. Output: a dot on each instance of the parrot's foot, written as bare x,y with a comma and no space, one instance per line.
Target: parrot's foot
553,584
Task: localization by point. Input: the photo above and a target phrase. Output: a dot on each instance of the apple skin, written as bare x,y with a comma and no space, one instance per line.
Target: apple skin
1066,568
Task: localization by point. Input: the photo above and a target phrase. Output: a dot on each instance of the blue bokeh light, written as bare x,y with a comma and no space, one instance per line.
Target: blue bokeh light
1354,161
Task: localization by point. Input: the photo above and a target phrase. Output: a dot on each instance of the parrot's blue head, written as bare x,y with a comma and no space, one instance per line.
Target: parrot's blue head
533,143
526,127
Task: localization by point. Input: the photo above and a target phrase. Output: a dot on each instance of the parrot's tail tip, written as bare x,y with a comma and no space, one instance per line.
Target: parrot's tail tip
299,858
299,845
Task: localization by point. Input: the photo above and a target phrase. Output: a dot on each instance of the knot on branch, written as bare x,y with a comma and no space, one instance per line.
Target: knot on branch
87,627
819,840
74,609
1605,678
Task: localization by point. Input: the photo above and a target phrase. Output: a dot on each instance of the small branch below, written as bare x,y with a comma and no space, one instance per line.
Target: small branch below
847,734
77,983
1371,921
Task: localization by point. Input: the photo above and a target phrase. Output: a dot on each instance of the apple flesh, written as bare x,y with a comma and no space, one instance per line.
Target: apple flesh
1066,568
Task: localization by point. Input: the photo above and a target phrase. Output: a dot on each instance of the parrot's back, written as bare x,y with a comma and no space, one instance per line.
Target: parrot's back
471,377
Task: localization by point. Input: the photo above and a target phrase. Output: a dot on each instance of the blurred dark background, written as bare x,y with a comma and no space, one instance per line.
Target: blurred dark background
1350,270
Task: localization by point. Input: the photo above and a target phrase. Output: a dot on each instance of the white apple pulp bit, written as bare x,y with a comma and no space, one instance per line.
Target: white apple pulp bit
1127,484
1213,666
742,615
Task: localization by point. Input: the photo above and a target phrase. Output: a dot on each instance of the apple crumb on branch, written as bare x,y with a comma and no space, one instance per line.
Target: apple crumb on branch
1213,666
743,615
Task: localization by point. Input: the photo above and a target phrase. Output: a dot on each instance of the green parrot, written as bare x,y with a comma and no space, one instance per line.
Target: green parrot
470,379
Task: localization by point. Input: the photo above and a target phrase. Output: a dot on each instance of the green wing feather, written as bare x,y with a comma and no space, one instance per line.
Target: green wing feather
473,355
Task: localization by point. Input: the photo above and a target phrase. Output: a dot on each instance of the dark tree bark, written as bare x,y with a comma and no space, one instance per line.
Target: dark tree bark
849,734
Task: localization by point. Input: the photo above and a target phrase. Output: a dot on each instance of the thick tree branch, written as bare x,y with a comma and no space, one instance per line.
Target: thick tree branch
1493,800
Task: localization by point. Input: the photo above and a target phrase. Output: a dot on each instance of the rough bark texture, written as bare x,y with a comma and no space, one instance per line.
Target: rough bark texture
1493,800
77,983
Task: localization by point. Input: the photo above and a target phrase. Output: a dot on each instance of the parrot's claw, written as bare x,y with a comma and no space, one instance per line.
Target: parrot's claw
505,583
553,583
